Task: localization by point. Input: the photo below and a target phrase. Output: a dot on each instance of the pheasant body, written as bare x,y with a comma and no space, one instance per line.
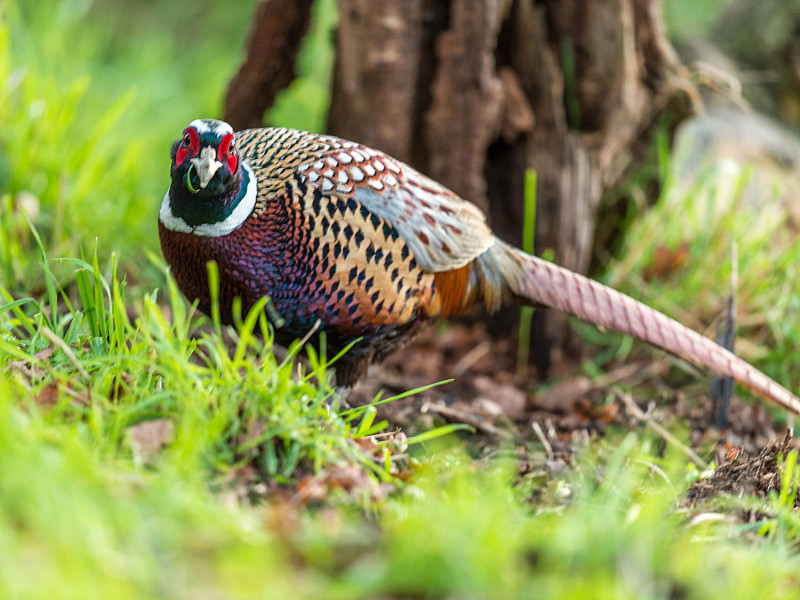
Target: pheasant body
337,233
318,256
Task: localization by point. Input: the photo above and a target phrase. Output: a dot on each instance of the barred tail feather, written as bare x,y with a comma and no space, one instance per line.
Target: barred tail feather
537,281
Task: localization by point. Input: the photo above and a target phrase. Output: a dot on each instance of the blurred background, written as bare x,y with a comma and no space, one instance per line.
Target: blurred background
138,459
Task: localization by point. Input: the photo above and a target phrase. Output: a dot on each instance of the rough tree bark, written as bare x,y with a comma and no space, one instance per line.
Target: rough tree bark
275,38
474,92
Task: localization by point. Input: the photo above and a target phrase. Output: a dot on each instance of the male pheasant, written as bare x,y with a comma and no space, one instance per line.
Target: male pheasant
335,232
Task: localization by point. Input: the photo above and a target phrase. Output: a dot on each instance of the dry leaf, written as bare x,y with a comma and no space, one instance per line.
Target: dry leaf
562,396
311,488
47,397
667,261
149,437
509,398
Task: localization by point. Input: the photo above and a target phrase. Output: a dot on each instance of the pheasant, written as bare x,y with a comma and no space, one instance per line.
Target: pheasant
346,237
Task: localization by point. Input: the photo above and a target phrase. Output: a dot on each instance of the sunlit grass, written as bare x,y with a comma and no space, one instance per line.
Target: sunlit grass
610,529
109,365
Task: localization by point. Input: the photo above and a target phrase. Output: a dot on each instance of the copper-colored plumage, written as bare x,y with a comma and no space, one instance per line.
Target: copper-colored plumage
451,290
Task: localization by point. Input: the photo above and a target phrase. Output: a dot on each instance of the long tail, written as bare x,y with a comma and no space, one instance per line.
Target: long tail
537,281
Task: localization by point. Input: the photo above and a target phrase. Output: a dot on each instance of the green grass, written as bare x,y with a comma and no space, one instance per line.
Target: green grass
238,406
526,312
147,452
689,18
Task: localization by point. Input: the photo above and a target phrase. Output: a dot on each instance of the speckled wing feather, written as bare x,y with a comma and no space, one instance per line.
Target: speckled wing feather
442,231
369,281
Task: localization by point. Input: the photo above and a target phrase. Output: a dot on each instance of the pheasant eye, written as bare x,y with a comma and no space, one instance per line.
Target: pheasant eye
187,140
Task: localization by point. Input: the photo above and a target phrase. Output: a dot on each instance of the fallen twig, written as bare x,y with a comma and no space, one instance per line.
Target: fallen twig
460,416
636,412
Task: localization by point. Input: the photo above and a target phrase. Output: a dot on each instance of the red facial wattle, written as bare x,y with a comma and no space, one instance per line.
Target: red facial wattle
191,149
225,153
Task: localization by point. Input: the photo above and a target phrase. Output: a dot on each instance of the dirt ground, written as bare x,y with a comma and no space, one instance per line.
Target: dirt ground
550,421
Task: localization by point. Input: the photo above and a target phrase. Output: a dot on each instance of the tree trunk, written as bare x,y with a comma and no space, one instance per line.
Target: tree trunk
474,92
275,38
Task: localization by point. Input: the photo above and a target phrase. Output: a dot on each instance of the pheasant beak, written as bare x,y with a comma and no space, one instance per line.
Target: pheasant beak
206,165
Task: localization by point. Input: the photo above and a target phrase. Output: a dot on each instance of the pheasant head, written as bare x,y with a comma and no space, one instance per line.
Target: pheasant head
212,189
